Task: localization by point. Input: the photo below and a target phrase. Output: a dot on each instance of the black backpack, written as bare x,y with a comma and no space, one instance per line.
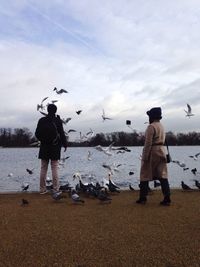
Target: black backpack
48,132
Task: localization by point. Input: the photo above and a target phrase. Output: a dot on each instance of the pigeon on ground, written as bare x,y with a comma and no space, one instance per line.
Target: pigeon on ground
185,186
131,188
156,184
65,188
76,198
197,184
103,196
57,195
24,202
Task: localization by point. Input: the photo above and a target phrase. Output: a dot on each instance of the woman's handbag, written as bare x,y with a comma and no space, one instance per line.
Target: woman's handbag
168,157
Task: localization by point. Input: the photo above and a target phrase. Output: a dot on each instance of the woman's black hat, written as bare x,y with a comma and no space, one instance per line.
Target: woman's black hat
155,113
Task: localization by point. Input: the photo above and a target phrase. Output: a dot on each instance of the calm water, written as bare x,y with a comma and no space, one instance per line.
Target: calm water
14,161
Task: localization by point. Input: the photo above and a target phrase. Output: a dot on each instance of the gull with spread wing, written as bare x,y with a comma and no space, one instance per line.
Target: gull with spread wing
104,116
61,91
106,150
41,106
188,111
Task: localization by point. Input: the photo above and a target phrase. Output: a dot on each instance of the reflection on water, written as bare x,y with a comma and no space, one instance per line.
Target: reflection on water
14,161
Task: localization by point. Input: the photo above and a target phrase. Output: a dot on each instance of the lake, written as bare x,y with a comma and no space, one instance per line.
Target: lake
14,161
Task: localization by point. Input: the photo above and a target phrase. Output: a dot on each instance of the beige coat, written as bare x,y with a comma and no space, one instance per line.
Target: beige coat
153,164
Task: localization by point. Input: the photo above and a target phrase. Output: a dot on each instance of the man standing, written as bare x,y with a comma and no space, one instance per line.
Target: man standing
51,134
153,164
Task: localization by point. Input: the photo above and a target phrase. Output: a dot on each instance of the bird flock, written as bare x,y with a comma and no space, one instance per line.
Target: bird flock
104,190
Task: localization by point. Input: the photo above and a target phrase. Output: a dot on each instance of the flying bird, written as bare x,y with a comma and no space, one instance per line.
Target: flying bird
195,156
30,171
181,164
106,150
41,106
64,158
61,91
65,121
104,116
188,111
78,112
25,187
194,171
71,131
37,143
43,113
89,155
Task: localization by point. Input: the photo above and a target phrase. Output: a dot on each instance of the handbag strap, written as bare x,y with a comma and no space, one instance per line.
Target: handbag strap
167,145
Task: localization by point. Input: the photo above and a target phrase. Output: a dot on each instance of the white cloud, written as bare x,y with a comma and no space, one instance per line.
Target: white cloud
123,56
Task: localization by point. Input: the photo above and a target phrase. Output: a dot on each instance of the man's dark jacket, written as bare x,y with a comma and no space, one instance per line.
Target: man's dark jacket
51,151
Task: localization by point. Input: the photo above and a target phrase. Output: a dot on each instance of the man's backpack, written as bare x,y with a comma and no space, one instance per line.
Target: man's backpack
48,132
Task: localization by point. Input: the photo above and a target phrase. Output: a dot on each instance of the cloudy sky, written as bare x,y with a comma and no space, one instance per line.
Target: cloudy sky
123,56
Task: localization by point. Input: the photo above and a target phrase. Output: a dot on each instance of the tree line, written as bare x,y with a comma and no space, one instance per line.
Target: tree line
23,137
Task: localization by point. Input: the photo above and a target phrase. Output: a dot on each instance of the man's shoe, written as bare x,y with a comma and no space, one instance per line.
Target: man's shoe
141,201
43,192
166,201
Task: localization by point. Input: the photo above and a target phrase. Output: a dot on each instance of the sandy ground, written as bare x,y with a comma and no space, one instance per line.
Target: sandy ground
50,233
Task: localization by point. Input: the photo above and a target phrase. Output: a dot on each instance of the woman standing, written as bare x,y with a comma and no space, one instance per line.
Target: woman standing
154,165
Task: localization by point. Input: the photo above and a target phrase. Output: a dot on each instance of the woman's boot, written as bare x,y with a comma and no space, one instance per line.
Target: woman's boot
166,192
143,192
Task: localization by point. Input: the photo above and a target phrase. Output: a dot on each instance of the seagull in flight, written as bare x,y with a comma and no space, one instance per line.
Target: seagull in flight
78,112
61,91
181,164
25,187
89,155
65,121
41,106
188,111
106,150
104,116
30,171
195,156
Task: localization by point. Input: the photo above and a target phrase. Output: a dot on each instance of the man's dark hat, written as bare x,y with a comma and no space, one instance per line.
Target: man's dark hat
155,113
52,108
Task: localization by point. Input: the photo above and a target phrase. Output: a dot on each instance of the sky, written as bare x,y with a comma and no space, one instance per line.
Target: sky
120,56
